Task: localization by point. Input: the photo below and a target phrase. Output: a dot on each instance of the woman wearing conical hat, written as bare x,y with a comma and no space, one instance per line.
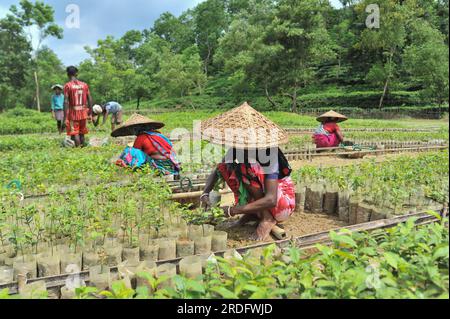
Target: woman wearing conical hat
150,147
254,168
329,134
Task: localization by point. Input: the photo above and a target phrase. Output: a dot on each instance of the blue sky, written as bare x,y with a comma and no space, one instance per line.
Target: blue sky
100,18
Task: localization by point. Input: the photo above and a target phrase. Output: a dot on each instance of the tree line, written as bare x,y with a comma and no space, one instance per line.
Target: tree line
276,49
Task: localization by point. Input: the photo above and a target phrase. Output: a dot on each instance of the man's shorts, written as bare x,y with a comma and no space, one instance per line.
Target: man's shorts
77,128
116,119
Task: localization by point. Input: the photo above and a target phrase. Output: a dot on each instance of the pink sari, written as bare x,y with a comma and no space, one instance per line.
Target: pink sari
323,141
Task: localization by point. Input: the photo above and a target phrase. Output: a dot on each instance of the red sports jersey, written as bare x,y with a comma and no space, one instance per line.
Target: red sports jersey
76,93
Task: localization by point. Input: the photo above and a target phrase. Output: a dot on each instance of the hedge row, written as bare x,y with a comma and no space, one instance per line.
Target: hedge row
360,99
425,112
25,121
334,99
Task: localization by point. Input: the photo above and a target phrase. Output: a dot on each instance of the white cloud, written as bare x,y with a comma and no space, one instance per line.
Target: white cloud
71,54
101,18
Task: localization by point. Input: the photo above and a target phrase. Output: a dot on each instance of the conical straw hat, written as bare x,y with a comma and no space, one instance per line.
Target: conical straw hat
332,114
136,123
243,128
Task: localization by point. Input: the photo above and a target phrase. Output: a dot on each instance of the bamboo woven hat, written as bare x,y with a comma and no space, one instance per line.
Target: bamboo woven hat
332,114
243,128
134,123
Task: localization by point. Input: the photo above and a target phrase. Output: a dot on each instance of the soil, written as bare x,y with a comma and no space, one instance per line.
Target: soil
299,224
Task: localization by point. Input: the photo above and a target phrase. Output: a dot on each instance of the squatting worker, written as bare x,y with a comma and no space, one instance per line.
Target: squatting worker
258,174
329,134
57,105
78,103
158,149
111,108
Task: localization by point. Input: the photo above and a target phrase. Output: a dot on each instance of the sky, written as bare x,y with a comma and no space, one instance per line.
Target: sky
100,18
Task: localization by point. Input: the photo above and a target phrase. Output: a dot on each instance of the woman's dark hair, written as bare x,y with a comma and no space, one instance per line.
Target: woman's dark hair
72,71
331,120
264,157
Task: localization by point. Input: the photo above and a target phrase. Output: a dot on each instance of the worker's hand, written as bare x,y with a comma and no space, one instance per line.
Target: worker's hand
54,115
204,201
229,211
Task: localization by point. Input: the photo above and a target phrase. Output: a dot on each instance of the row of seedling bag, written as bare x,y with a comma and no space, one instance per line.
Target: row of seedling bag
350,207
146,274
60,259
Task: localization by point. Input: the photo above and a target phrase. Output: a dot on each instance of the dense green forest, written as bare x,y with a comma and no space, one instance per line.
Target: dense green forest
278,54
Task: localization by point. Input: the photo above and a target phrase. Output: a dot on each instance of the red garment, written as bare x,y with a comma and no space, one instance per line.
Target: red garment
76,92
323,141
331,127
144,144
76,128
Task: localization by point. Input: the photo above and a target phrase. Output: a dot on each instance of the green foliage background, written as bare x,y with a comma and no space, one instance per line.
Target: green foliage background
279,55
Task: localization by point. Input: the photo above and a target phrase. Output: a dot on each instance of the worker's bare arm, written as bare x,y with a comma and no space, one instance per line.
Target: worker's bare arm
66,106
211,182
340,135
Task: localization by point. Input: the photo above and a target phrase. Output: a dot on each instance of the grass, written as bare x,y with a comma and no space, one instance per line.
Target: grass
22,121
38,160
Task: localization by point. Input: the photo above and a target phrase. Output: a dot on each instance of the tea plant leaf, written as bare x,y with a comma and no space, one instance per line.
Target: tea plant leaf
107,294
434,214
259,294
325,283
294,254
324,249
390,281
195,286
252,288
142,292
370,251
344,254
441,252
306,279
85,292
245,270
342,239
391,259
4,294
223,292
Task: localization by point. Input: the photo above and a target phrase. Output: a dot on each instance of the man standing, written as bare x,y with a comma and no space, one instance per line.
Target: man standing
78,107
58,106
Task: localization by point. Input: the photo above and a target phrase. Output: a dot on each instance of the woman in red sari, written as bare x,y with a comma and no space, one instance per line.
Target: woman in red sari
263,193
254,168
329,134
156,147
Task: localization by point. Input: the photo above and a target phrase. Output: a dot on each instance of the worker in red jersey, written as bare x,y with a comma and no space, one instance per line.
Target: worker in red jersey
77,107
